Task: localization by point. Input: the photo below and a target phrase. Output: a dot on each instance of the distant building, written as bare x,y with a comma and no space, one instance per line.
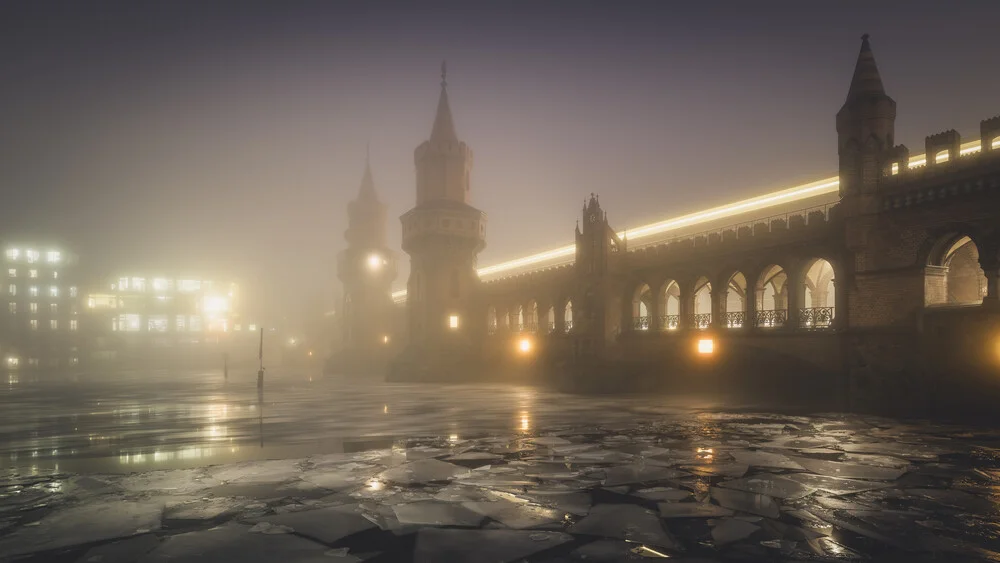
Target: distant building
39,324
138,315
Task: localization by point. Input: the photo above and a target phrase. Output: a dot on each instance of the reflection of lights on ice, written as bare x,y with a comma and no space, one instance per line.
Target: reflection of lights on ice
525,422
374,485
453,438
385,409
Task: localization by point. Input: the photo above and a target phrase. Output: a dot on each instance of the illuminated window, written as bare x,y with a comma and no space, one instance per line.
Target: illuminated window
252,327
31,255
55,275
33,323
12,272
13,254
138,284
194,323
53,291
188,285
33,307
12,361
180,322
129,323
72,324
237,328
53,324
12,307
53,308
32,273
157,323
33,291
162,284
453,321
72,291
53,256
942,156
122,284
12,289
895,168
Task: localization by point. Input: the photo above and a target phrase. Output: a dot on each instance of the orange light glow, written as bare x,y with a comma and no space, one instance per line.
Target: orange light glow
524,345
706,346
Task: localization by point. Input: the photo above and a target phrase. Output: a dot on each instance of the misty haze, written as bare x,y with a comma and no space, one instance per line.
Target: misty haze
530,282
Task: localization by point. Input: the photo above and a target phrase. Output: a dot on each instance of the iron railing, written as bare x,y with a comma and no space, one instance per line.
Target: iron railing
640,323
734,319
773,318
491,329
552,326
530,326
701,321
670,322
816,317
568,326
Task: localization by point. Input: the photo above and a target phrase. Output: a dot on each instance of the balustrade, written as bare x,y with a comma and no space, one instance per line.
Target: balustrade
816,318
568,326
670,322
640,323
552,327
734,319
773,318
701,321
491,330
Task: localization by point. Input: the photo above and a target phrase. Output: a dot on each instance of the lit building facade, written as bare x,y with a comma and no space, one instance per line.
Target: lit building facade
39,323
140,313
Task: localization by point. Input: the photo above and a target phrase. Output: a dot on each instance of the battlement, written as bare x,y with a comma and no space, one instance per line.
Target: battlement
765,230
944,153
528,278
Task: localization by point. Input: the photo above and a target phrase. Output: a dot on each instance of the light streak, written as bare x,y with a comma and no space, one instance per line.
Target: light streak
790,195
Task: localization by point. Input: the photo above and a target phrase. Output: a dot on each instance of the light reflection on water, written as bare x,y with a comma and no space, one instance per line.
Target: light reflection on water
167,420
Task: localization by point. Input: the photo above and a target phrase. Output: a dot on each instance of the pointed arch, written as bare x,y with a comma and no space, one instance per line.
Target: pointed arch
953,275
670,305
819,295
771,295
531,317
735,301
550,319
642,306
568,316
491,320
701,303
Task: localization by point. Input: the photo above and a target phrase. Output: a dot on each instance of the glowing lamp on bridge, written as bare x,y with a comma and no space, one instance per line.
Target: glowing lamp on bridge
524,345
215,304
375,262
706,346
385,339
453,322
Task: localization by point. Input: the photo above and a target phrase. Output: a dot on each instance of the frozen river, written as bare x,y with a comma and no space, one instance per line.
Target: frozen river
150,467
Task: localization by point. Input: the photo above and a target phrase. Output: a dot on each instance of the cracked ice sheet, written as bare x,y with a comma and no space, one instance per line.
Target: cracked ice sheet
746,502
327,525
638,473
101,520
625,522
765,459
515,515
836,485
769,484
339,478
663,494
850,470
234,543
179,481
423,471
273,471
729,530
202,509
692,510
124,551
432,513
482,546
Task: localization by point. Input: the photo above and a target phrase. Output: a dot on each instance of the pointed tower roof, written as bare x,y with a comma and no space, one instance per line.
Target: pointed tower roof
866,80
444,125
367,191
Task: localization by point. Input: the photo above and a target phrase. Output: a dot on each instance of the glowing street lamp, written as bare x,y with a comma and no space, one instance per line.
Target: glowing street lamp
706,346
524,345
374,262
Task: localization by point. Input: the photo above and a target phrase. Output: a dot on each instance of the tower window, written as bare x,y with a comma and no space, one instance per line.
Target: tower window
453,322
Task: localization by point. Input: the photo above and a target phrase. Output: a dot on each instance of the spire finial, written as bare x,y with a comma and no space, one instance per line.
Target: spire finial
444,74
865,37
368,153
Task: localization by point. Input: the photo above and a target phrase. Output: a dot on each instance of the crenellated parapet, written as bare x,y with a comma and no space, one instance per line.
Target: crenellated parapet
534,278
945,156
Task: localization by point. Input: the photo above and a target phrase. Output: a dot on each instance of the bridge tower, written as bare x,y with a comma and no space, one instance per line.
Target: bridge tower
366,269
443,234
598,307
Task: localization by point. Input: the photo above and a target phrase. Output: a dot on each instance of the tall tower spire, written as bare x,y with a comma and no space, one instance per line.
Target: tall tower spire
367,190
866,80
444,125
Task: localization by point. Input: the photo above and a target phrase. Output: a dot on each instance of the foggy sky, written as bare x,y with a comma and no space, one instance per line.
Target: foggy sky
229,138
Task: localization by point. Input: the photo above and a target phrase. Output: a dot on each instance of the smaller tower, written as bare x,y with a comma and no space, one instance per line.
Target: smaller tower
367,269
597,314
865,131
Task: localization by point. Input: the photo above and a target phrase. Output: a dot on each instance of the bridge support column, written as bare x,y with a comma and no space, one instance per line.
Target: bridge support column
750,304
655,311
991,269
794,299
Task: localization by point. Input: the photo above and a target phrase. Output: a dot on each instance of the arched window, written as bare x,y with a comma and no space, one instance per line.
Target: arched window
736,301
953,275
491,320
819,296
670,303
702,303
568,316
772,297
641,305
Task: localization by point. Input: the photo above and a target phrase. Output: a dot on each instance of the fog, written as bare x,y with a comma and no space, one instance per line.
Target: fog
227,141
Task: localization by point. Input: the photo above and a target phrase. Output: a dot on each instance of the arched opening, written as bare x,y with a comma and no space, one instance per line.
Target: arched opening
670,305
642,303
736,301
520,318
531,317
953,276
941,156
491,320
506,319
819,296
995,143
568,316
702,303
772,297
550,319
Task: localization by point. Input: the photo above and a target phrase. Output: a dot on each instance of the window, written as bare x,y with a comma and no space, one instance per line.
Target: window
13,254
53,324
55,275
53,308
453,321
53,291
72,324
33,307
34,324
895,168
31,255
12,289
12,272
72,291
139,284
12,307
53,256
33,291
32,274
